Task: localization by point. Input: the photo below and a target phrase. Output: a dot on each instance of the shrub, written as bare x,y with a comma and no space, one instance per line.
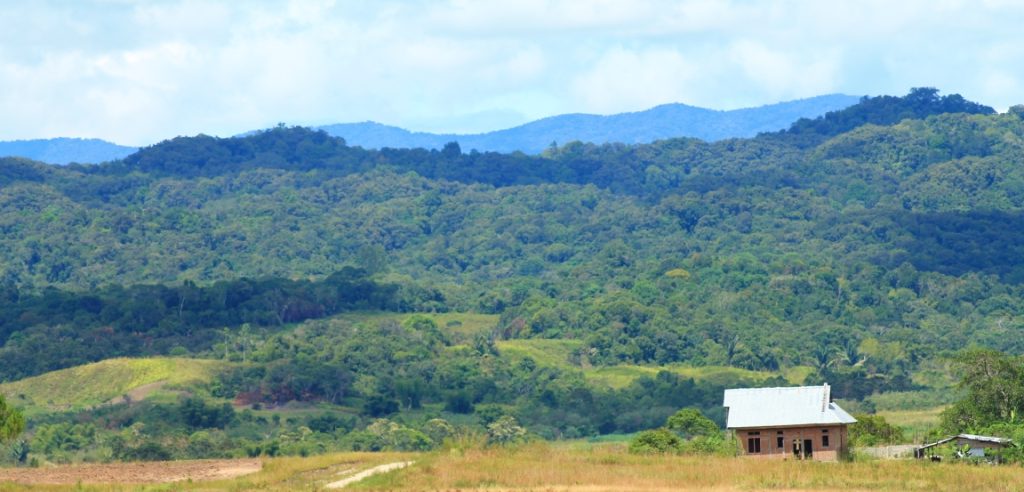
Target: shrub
505,431
656,441
871,430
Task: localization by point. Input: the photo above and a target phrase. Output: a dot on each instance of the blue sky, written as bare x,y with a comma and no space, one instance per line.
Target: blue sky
139,72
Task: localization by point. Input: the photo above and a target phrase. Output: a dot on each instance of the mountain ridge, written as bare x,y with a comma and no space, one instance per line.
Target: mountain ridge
65,150
671,120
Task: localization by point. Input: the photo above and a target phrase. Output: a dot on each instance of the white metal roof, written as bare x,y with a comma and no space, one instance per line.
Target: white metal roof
970,437
783,407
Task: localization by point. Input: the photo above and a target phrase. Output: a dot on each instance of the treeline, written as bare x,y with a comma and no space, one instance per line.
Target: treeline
365,386
920,103
57,329
621,168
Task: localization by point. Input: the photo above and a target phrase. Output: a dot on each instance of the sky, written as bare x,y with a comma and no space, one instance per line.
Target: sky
139,72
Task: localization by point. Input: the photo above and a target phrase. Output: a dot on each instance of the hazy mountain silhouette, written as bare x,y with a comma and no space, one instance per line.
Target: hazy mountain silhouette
65,150
660,122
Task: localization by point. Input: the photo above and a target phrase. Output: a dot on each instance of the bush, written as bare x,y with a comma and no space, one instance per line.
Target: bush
656,441
505,431
872,430
689,422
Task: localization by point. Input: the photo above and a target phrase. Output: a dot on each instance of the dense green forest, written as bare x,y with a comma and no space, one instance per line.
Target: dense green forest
866,245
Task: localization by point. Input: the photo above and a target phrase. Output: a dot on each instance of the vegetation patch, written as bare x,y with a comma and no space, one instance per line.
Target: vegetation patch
101,382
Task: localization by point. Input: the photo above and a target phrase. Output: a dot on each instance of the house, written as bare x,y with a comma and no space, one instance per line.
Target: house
788,423
968,446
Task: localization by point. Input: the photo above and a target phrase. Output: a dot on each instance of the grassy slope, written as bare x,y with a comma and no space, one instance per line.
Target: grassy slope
100,382
915,423
557,352
461,326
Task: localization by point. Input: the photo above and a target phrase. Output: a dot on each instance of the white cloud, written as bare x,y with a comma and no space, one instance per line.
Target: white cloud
624,80
139,72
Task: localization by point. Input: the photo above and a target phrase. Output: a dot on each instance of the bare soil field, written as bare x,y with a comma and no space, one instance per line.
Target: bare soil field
126,473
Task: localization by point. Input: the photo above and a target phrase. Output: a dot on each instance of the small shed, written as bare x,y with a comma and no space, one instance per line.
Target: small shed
788,423
975,445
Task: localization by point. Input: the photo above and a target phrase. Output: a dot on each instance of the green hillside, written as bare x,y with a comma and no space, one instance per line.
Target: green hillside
607,286
562,354
109,380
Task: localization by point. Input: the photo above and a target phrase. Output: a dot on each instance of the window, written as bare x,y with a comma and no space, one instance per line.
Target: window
753,445
824,438
780,442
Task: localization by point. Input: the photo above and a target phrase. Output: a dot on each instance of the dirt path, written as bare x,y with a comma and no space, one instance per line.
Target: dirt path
366,474
150,472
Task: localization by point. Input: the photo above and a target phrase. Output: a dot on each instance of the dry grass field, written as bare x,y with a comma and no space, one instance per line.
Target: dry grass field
609,468
547,467
271,474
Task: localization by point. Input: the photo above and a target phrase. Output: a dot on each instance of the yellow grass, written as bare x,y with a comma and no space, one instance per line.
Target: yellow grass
278,474
100,382
545,467
599,468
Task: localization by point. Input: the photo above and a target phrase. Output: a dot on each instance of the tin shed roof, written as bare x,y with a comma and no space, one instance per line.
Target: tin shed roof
783,407
970,437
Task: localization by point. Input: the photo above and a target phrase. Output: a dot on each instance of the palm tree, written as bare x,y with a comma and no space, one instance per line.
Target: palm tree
824,357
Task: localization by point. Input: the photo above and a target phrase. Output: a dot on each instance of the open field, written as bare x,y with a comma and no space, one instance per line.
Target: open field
101,382
915,423
548,467
149,472
312,473
609,468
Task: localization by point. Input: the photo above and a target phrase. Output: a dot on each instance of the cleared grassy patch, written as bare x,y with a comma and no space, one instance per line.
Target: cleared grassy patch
544,352
556,353
100,382
462,326
915,423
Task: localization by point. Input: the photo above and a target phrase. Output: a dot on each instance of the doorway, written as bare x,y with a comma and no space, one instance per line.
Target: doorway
808,449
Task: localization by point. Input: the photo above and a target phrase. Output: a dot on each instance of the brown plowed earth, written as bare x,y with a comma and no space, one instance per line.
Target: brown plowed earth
149,472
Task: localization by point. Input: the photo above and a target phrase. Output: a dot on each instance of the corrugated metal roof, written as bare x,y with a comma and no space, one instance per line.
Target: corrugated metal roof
969,437
783,407
975,437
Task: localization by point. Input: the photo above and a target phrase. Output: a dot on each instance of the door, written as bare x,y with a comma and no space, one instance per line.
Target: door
808,449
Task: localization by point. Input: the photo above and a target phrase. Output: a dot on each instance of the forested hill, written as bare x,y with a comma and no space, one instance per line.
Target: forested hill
661,122
862,252
65,150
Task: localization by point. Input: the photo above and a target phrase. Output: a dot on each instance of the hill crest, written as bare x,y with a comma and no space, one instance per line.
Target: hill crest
660,122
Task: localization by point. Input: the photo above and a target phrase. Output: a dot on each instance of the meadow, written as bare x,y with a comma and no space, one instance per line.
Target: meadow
106,381
591,468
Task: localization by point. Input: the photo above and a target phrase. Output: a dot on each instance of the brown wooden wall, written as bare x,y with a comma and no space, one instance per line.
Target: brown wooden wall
838,441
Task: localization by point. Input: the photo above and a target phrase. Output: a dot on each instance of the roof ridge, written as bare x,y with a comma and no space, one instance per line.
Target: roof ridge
774,388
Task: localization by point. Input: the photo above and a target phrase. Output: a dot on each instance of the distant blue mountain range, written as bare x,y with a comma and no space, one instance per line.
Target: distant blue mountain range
661,122
66,150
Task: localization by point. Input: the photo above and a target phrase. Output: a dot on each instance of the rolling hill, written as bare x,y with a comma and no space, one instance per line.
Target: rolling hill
609,285
65,150
93,384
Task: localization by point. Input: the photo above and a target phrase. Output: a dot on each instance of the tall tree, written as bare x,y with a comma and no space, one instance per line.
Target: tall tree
12,422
